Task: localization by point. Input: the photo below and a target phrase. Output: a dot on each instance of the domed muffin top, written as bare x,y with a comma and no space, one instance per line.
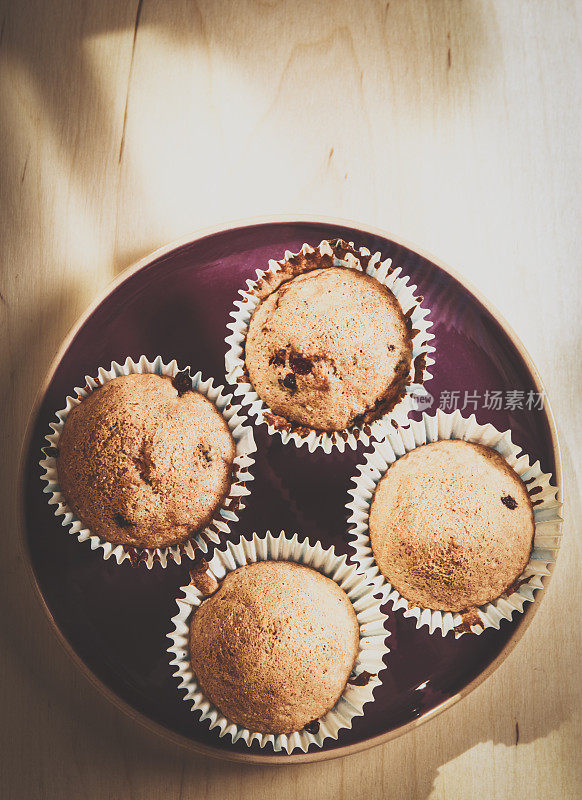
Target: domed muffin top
451,525
273,648
329,348
143,463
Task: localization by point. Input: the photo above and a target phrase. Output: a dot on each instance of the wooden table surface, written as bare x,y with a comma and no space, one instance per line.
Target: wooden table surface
453,124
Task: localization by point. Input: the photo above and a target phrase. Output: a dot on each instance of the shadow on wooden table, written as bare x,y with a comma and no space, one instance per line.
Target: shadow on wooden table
98,82
78,123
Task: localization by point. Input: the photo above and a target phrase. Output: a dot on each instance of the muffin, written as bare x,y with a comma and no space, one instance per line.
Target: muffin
328,349
451,525
144,461
273,648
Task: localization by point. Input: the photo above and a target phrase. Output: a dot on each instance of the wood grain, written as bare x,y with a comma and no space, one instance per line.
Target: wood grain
452,123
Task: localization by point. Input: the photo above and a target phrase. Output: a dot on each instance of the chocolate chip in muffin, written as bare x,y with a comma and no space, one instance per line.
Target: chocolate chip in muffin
206,451
312,727
300,365
289,382
363,679
279,359
509,501
182,381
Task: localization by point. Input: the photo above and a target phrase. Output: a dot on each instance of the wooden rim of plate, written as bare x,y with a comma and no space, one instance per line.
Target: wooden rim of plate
318,755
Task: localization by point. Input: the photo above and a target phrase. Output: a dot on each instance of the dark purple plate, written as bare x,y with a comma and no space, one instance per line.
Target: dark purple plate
114,619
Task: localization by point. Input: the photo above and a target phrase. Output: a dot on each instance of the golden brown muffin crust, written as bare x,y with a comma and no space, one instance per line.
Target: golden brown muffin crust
274,647
329,348
451,525
142,464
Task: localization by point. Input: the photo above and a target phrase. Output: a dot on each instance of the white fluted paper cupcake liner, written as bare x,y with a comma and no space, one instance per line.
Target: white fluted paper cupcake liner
548,523
219,525
389,276
369,659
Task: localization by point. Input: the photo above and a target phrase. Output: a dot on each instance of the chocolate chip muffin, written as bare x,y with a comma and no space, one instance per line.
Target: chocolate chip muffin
328,349
273,648
145,462
451,525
